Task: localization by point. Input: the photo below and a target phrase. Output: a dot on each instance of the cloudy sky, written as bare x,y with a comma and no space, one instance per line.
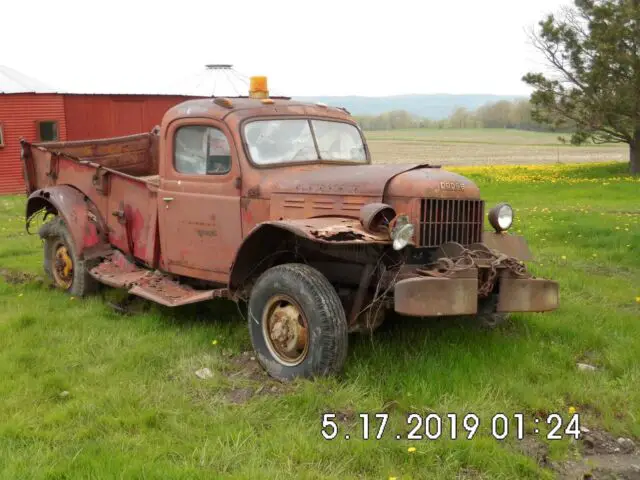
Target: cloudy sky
328,47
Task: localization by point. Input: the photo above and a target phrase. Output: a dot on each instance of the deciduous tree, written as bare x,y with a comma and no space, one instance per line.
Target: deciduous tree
593,51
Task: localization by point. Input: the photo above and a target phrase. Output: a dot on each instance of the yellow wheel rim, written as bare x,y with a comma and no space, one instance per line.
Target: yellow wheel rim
285,330
63,267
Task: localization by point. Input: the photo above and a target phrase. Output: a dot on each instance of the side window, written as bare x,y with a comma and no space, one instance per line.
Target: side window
1,135
47,130
201,150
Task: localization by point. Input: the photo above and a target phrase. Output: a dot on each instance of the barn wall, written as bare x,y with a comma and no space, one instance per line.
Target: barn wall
99,116
18,114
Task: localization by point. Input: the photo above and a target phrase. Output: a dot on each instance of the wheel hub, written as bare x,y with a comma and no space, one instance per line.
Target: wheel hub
63,267
286,331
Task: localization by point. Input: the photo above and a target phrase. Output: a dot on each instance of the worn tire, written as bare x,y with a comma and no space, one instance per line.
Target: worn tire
320,307
55,233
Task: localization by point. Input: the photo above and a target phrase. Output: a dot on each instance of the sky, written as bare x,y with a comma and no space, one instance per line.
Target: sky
328,47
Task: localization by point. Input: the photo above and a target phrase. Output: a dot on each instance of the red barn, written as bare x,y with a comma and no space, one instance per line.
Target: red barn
35,111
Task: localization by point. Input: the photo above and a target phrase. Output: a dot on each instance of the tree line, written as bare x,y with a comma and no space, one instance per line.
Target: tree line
503,114
592,90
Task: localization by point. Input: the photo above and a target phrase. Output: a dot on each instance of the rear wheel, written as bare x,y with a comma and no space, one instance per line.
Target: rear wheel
67,271
297,323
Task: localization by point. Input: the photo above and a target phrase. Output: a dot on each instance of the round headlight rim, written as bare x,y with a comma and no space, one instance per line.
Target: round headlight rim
401,223
494,215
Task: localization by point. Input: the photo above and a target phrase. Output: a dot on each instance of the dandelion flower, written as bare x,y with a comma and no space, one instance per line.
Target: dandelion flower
572,410
637,299
564,257
393,478
214,342
20,294
411,449
72,298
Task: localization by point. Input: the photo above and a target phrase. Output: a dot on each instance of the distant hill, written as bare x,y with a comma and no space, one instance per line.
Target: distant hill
432,106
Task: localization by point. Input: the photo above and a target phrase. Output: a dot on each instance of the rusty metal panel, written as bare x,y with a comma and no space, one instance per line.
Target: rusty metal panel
18,114
117,271
512,245
527,295
431,296
132,154
131,215
450,220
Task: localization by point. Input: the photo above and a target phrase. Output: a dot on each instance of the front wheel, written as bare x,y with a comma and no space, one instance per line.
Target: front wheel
297,323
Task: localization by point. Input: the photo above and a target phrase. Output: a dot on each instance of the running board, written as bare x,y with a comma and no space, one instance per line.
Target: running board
117,271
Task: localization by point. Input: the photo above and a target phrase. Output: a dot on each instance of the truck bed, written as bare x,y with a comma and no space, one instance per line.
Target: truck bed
132,155
119,175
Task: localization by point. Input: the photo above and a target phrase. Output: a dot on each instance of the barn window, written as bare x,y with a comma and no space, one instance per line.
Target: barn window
47,130
1,135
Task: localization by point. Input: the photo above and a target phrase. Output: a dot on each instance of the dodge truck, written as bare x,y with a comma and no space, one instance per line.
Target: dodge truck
276,204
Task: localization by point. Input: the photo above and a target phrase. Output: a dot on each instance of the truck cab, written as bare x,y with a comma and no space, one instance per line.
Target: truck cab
277,204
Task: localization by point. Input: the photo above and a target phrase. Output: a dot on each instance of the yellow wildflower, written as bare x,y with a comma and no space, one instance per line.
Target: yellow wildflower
572,410
214,342
411,449
20,294
564,257
637,299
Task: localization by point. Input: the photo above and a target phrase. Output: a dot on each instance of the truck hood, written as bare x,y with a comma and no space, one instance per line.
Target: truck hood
380,180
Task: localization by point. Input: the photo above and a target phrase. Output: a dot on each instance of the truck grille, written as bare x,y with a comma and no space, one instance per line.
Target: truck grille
443,221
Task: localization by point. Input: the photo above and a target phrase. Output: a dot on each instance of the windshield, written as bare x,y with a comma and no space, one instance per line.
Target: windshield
292,140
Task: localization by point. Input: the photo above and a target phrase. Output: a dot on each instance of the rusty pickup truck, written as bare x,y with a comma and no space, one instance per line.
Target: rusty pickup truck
276,204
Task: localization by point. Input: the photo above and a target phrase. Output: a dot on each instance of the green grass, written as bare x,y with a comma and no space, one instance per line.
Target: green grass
135,409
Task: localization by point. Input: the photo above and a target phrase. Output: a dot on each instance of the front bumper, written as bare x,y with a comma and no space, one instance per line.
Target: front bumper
439,296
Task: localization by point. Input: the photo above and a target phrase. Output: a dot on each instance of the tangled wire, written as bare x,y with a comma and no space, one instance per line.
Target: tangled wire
490,259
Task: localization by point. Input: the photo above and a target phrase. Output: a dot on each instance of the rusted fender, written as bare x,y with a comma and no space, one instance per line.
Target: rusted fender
265,238
86,226
345,231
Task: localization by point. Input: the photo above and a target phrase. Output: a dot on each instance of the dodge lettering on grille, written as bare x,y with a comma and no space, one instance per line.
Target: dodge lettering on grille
451,186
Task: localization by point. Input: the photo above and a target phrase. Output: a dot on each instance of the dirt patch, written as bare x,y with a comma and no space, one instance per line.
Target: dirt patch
18,278
240,395
479,153
533,448
601,467
252,380
247,366
605,457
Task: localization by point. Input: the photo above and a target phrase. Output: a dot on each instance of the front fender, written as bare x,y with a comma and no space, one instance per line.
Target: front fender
264,239
86,226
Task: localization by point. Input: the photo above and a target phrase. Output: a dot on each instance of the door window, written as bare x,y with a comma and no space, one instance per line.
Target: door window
201,150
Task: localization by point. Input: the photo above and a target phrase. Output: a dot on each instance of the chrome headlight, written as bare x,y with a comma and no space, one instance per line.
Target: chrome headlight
401,232
501,217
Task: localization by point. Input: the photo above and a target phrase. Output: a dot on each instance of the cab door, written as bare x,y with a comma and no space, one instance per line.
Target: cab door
199,200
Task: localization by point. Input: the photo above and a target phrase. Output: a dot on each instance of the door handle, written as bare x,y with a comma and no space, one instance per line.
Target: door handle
168,199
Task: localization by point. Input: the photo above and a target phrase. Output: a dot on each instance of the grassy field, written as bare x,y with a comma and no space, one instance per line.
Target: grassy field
87,392
484,147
